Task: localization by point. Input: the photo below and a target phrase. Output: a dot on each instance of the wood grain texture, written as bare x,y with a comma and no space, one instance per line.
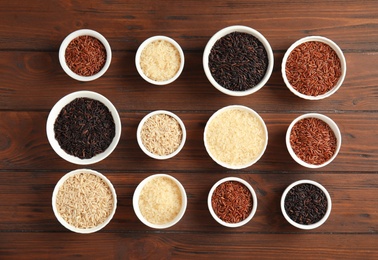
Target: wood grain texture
32,81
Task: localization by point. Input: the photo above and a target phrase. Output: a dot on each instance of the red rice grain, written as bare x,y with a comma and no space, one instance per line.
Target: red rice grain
85,55
313,68
232,201
313,141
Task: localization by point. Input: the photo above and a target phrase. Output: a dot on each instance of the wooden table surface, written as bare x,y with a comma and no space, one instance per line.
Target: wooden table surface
32,81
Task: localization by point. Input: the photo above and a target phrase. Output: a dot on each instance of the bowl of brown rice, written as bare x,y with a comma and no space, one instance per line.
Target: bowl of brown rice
159,60
235,137
232,202
84,201
85,55
313,68
313,140
159,201
161,134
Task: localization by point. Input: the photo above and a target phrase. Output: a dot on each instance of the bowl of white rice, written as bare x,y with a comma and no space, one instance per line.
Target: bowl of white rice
84,201
235,137
159,60
159,201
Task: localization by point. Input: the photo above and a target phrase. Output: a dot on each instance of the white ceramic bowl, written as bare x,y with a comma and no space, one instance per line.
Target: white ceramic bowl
64,222
66,42
137,194
141,48
310,226
224,32
153,155
330,123
339,53
54,114
254,199
225,164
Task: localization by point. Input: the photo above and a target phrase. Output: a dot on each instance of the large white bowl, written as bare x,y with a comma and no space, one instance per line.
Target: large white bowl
254,199
54,114
330,123
339,53
66,42
64,222
139,137
136,202
224,164
224,32
140,50
302,226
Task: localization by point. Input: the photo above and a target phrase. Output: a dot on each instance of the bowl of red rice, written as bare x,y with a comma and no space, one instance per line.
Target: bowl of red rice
313,140
232,202
84,201
85,55
313,68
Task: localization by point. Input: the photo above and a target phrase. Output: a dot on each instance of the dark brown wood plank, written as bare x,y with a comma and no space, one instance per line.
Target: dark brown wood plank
24,145
26,204
35,81
351,24
186,246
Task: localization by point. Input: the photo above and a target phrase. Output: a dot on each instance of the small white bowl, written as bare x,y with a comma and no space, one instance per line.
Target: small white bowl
225,164
64,222
67,41
140,50
339,53
153,155
54,114
137,194
254,199
303,226
243,29
330,123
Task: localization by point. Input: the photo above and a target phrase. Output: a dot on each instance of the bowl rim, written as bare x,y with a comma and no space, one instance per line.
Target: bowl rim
65,223
54,112
339,53
235,107
254,199
244,29
139,138
66,42
333,127
150,40
136,196
302,226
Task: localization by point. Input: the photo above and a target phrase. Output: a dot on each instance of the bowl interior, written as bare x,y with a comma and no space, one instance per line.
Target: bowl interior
339,53
143,147
63,221
218,219
333,127
143,46
137,194
224,32
57,109
207,135
310,226
67,41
